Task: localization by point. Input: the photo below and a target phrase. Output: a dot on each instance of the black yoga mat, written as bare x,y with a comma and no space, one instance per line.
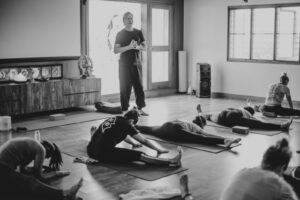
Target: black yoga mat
198,146
256,131
142,171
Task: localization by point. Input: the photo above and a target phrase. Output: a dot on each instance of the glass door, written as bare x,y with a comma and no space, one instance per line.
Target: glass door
160,51
105,20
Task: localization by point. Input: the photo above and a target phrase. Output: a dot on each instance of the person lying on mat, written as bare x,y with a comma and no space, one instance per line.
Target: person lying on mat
181,131
244,117
114,130
264,182
19,179
275,97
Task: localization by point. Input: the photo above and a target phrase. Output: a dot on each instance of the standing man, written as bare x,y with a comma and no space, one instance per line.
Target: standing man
129,43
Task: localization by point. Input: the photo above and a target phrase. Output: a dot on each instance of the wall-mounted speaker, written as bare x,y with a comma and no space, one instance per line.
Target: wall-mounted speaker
203,80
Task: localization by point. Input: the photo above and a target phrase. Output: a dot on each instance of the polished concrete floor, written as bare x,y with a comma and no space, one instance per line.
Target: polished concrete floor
208,173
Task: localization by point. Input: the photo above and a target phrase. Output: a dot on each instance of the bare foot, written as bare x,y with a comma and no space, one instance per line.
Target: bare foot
256,108
143,113
70,194
286,126
176,161
184,188
248,101
93,130
229,142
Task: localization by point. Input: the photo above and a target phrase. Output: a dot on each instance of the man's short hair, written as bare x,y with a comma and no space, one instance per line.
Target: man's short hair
132,114
126,14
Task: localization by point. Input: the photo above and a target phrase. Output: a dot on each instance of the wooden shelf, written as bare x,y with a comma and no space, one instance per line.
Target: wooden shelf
30,97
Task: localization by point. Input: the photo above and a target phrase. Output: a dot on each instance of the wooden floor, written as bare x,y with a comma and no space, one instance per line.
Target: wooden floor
208,173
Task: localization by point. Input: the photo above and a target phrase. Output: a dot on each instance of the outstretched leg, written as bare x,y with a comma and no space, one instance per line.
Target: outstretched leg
257,124
122,155
149,130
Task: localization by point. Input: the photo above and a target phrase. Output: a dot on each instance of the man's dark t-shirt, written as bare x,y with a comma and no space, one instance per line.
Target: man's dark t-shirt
111,132
124,38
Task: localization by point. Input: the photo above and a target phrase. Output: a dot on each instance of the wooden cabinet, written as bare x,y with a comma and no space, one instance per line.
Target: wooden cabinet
44,96
81,92
33,97
12,98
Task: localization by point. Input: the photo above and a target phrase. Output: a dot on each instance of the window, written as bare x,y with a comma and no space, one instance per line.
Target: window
264,33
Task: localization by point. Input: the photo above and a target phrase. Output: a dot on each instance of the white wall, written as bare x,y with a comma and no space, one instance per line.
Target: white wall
205,40
39,28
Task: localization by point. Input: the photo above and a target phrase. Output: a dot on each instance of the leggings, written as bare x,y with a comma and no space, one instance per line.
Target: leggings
235,118
169,131
281,110
131,76
114,154
15,184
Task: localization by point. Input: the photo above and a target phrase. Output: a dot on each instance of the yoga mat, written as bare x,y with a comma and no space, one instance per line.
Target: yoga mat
142,171
278,119
201,147
71,118
256,131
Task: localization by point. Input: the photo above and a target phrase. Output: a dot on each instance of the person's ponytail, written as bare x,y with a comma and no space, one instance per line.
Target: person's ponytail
56,158
277,155
52,152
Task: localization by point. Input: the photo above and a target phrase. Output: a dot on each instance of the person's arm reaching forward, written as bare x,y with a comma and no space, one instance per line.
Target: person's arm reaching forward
149,144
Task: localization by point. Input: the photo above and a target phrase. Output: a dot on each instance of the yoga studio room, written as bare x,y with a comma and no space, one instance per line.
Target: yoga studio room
149,99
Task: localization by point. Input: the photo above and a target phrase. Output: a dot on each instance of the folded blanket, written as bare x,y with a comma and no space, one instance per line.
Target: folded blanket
151,194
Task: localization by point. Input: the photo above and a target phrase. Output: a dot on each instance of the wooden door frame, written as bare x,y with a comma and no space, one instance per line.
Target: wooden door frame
166,84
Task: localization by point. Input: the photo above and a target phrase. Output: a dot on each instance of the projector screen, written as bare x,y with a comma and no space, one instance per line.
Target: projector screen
39,29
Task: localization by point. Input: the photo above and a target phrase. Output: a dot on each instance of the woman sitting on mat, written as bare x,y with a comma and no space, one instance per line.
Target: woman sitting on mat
114,130
18,153
181,131
275,97
244,117
264,182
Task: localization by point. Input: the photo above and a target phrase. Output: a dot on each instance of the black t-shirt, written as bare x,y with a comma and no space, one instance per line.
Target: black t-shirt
124,38
111,132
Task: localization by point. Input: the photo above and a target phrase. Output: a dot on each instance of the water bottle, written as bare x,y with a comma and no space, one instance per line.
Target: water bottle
37,135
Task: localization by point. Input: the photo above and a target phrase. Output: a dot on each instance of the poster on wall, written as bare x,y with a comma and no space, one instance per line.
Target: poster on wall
35,72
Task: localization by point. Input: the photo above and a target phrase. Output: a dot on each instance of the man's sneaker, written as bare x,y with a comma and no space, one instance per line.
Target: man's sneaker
143,113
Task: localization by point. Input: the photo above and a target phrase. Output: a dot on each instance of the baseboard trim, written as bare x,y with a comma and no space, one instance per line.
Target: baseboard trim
245,97
114,98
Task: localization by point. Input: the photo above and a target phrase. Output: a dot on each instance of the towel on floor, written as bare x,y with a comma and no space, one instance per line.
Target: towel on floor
151,194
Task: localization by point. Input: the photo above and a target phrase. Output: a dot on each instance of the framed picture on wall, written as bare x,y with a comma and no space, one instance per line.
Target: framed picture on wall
4,75
56,72
46,72
26,72
36,72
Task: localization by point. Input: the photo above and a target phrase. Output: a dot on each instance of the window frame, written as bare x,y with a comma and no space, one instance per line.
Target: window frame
251,7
